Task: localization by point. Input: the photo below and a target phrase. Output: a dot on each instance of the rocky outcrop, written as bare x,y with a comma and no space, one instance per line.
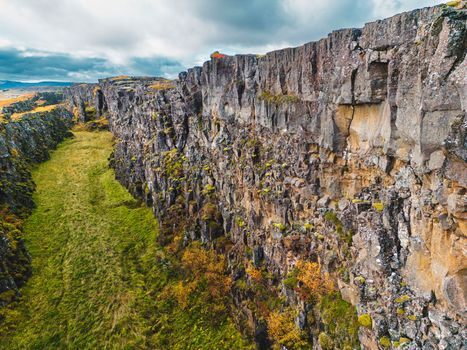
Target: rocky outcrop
86,101
349,152
22,143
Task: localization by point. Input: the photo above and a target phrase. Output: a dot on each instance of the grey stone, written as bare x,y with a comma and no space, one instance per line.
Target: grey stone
381,100
436,160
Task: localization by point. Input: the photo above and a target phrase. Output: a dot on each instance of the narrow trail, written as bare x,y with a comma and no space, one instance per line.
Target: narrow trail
100,280
85,289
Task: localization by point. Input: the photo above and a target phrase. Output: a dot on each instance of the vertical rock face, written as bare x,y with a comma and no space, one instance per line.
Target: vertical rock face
22,143
349,151
86,101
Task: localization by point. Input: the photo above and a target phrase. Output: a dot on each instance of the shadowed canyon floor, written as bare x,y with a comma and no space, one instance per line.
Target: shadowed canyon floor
97,273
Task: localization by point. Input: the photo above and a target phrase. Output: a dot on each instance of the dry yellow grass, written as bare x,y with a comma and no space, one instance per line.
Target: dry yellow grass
9,101
119,77
163,85
17,116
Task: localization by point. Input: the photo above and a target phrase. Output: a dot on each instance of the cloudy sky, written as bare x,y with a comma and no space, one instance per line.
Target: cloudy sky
83,40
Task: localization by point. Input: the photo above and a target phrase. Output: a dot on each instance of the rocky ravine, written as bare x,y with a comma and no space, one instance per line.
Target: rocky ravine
349,151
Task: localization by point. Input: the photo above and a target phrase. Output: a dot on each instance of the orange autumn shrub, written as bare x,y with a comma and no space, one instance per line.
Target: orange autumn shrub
312,283
181,291
217,55
283,330
207,267
254,273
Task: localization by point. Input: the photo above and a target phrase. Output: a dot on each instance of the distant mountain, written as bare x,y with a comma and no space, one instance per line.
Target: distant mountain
8,84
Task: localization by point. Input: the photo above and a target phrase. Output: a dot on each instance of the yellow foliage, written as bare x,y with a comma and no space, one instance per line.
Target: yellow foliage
95,90
75,113
163,85
378,206
208,265
283,330
181,291
14,152
254,273
200,261
312,281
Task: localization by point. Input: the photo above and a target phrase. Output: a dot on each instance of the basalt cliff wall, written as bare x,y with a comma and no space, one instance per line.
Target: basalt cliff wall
349,152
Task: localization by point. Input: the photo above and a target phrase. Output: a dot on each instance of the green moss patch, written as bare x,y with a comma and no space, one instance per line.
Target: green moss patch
365,321
340,321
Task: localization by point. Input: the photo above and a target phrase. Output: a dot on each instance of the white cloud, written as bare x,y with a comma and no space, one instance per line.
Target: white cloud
185,30
114,29
385,8
357,12
4,42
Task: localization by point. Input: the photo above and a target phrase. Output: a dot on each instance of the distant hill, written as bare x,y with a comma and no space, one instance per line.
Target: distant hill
8,84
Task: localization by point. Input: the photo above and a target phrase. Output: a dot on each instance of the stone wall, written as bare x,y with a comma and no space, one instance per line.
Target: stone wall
349,151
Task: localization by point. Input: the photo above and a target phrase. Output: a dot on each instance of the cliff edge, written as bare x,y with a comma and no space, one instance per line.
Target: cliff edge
346,155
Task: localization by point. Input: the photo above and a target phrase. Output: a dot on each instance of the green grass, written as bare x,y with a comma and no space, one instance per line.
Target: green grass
340,321
96,280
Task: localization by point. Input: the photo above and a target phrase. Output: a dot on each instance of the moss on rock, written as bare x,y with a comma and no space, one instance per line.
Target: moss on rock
340,320
365,320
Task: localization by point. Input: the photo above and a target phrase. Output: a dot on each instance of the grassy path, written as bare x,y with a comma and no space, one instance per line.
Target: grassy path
99,279
81,237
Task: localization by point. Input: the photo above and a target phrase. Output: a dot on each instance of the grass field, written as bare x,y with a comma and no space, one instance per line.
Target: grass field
95,281
6,100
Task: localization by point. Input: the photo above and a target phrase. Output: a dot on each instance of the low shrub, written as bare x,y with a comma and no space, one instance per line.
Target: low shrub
283,330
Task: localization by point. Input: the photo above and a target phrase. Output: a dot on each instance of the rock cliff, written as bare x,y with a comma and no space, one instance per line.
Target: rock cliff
22,143
348,152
